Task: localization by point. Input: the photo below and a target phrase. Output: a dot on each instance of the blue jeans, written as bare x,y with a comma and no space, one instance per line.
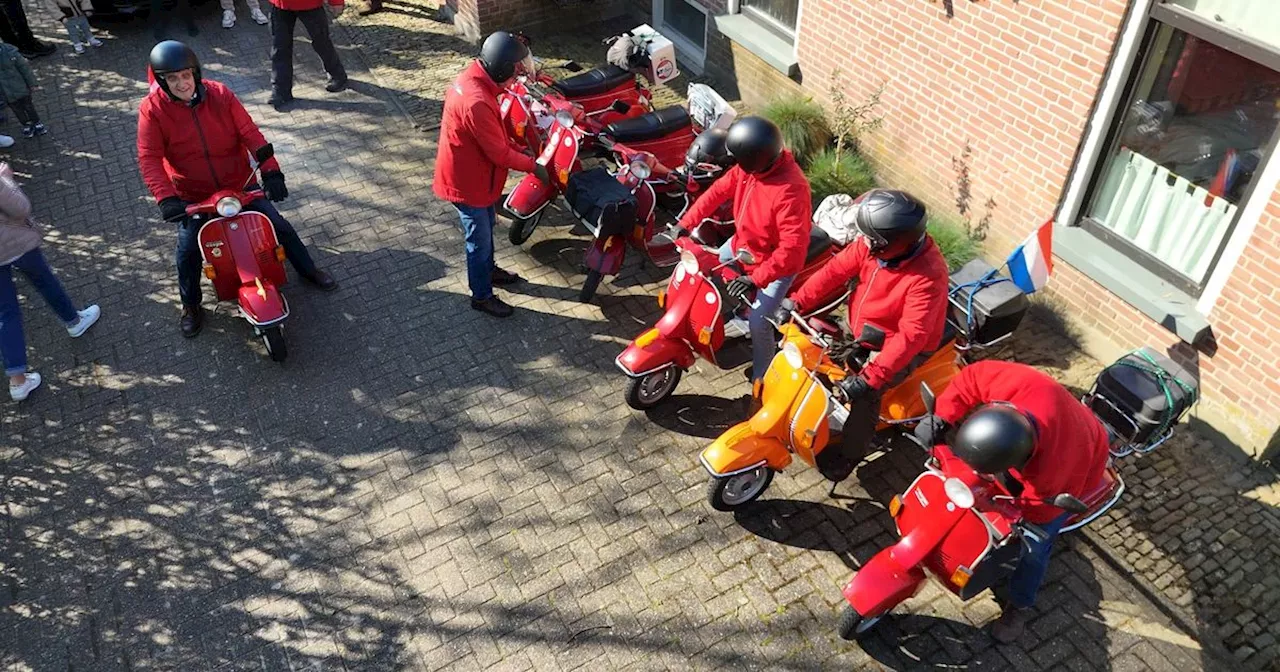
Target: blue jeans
763,344
1024,585
78,29
13,345
190,263
477,227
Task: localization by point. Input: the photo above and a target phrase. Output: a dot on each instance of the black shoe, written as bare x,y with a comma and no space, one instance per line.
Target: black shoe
192,321
38,49
322,281
504,277
279,101
494,306
336,85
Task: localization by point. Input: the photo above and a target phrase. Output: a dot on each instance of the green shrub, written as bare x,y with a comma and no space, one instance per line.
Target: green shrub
956,245
851,176
803,124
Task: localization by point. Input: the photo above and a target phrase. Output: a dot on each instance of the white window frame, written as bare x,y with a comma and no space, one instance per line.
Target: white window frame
735,7
1100,123
690,54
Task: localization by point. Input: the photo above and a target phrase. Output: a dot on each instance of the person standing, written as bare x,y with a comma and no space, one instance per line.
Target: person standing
20,249
75,19
474,156
15,30
229,12
315,16
16,82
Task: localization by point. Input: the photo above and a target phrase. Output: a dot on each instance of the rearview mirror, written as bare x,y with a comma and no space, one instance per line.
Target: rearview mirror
264,153
871,337
1069,503
930,400
744,256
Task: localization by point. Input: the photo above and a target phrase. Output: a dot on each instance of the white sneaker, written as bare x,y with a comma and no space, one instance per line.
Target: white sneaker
24,390
79,48
258,17
6,141
228,18
737,328
88,317
95,42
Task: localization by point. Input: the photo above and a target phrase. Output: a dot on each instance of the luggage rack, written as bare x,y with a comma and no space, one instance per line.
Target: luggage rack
1119,445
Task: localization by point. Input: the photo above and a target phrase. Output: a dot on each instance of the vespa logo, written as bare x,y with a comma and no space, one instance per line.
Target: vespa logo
665,68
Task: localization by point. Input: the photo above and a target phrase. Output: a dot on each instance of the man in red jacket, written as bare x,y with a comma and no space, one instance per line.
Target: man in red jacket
1031,433
315,16
901,283
772,213
194,139
473,158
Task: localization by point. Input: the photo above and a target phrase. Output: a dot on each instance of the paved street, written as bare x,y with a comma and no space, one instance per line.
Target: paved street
419,486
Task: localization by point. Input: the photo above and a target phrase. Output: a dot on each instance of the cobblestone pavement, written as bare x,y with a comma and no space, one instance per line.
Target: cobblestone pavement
419,487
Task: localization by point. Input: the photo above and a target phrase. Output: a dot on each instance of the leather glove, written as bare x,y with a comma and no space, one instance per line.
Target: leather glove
335,10
173,209
930,429
782,314
855,388
543,175
273,184
740,287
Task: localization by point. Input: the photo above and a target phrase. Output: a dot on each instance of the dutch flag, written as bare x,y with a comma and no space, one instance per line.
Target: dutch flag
1031,264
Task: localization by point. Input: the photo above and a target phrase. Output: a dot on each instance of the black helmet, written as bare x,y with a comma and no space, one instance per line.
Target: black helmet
755,143
892,221
708,156
994,438
500,53
172,56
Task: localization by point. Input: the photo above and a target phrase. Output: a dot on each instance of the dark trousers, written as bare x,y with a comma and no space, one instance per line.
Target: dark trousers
190,263
316,21
844,453
13,26
25,111
160,18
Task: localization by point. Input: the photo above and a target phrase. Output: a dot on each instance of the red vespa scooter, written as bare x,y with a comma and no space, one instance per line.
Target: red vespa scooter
244,260
961,526
693,324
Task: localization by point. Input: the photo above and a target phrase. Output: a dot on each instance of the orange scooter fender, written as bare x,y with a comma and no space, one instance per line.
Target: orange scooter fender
742,448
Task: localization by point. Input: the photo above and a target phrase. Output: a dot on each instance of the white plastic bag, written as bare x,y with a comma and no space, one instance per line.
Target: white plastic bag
835,216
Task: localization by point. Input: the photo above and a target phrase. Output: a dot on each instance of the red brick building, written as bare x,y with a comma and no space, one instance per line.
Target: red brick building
1145,128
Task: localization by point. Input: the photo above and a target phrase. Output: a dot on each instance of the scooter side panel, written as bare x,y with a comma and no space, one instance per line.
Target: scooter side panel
637,360
741,447
882,584
810,427
904,401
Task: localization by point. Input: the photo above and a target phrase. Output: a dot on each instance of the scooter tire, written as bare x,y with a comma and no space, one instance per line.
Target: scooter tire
523,227
720,499
277,348
854,626
643,398
589,286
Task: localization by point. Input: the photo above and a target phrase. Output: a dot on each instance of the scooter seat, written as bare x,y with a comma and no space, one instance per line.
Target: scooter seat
593,82
819,242
650,126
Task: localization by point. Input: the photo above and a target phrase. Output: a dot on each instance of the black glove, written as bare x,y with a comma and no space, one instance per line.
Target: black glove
930,429
173,209
273,184
782,314
740,287
680,232
541,172
855,388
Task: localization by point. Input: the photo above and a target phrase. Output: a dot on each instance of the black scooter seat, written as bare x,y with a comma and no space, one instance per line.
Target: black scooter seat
650,126
593,82
819,242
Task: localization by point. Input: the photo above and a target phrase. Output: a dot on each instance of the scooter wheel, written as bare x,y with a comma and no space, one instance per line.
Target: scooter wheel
727,493
589,286
853,626
522,227
651,389
273,338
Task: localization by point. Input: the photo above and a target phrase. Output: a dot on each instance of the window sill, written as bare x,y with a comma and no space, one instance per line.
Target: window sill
755,38
1174,309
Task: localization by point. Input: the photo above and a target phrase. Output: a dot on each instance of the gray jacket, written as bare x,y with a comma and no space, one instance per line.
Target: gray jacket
16,77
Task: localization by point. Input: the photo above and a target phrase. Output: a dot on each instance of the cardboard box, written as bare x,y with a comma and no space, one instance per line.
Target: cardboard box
662,54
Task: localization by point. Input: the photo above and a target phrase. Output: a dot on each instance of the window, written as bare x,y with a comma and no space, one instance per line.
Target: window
778,16
686,20
1197,125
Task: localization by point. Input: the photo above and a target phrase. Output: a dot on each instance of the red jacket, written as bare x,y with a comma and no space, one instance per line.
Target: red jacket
474,153
304,5
908,302
192,152
772,213
1071,447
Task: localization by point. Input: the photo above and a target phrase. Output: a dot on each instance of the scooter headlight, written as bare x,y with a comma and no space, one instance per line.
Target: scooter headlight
565,119
688,262
228,206
791,352
641,170
958,493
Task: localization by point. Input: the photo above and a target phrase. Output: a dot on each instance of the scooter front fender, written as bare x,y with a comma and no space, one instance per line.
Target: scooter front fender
651,352
882,584
529,196
262,303
742,448
606,254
